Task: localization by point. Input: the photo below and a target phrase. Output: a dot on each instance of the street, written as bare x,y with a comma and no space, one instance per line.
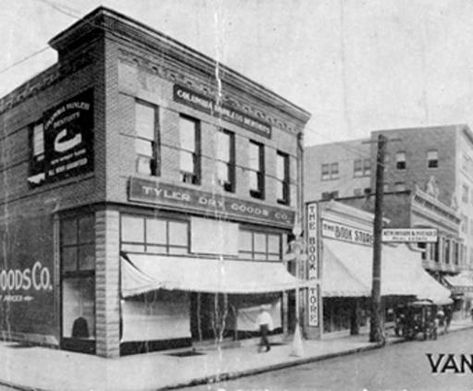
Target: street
403,366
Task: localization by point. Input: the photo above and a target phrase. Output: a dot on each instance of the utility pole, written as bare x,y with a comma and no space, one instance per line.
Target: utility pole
376,326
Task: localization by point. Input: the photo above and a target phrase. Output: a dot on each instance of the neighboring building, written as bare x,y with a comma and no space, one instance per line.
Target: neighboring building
438,160
334,170
346,234
142,206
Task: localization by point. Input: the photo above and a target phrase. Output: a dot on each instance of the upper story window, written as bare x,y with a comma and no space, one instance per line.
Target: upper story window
78,244
226,160
330,171
146,136
358,168
36,175
153,235
465,193
282,176
329,195
259,246
401,160
256,169
189,136
464,223
366,167
432,158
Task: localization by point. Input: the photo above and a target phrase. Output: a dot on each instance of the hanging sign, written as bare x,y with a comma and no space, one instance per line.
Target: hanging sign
313,263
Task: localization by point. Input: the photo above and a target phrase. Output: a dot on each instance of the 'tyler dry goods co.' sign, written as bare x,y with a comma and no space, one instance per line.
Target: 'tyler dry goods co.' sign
166,194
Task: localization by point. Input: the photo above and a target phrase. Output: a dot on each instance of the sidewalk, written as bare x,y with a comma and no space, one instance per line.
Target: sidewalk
37,368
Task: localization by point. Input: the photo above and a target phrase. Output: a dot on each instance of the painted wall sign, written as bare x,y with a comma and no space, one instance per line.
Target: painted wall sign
409,235
346,233
152,192
208,105
312,214
68,138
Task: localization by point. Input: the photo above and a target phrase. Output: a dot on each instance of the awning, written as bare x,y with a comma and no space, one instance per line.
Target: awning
347,272
141,273
460,283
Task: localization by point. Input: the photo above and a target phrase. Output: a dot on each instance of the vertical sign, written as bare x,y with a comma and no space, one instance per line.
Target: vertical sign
313,262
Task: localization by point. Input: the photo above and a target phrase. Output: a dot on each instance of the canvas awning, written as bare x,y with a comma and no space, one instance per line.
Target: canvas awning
460,283
141,273
347,272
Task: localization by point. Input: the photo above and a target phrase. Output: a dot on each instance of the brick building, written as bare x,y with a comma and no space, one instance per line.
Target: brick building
145,204
434,160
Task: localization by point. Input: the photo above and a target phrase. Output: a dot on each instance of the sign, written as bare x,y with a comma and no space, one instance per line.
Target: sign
312,241
313,306
313,263
68,138
208,105
409,235
152,192
346,233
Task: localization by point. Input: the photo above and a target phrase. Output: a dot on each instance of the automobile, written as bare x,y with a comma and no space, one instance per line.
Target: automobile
417,317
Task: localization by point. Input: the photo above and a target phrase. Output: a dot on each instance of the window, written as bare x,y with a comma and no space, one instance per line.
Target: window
357,168
189,136
465,192
432,158
145,141
401,160
366,167
226,160
282,177
153,235
259,246
330,171
77,244
446,250
456,254
385,187
423,246
37,169
357,192
256,169
329,195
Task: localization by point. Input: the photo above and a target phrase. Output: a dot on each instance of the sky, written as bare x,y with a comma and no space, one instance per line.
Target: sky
355,65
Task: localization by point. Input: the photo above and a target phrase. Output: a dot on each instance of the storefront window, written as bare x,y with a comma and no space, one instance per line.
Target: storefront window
78,277
259,246
153,235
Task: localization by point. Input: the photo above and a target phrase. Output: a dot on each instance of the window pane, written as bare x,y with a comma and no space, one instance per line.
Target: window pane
133,248
143,165
274,257
38,140
69,232
260,256
178,234
245,241
280,194
178,250
254,156
78,309
187,130
223,146
280,166
133,229
144,147
69,259
223,172
260,242
156,231
87,229
87,257
274,244
144,121
253,178
156,249
187,161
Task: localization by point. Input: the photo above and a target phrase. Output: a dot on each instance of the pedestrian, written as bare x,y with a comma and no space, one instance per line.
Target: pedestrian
448,317
265,323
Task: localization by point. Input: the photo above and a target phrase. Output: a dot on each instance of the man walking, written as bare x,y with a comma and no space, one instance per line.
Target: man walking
265,323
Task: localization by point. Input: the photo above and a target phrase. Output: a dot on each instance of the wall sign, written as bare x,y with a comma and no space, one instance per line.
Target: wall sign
208,105
152,192
68,138
312,214
346,233
409,235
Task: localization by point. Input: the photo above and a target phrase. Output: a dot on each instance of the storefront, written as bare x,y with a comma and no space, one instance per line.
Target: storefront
347,256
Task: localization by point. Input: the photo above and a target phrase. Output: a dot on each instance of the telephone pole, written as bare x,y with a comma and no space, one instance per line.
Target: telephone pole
376,326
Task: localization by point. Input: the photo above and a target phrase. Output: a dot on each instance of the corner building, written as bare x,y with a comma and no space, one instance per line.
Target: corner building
145,204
